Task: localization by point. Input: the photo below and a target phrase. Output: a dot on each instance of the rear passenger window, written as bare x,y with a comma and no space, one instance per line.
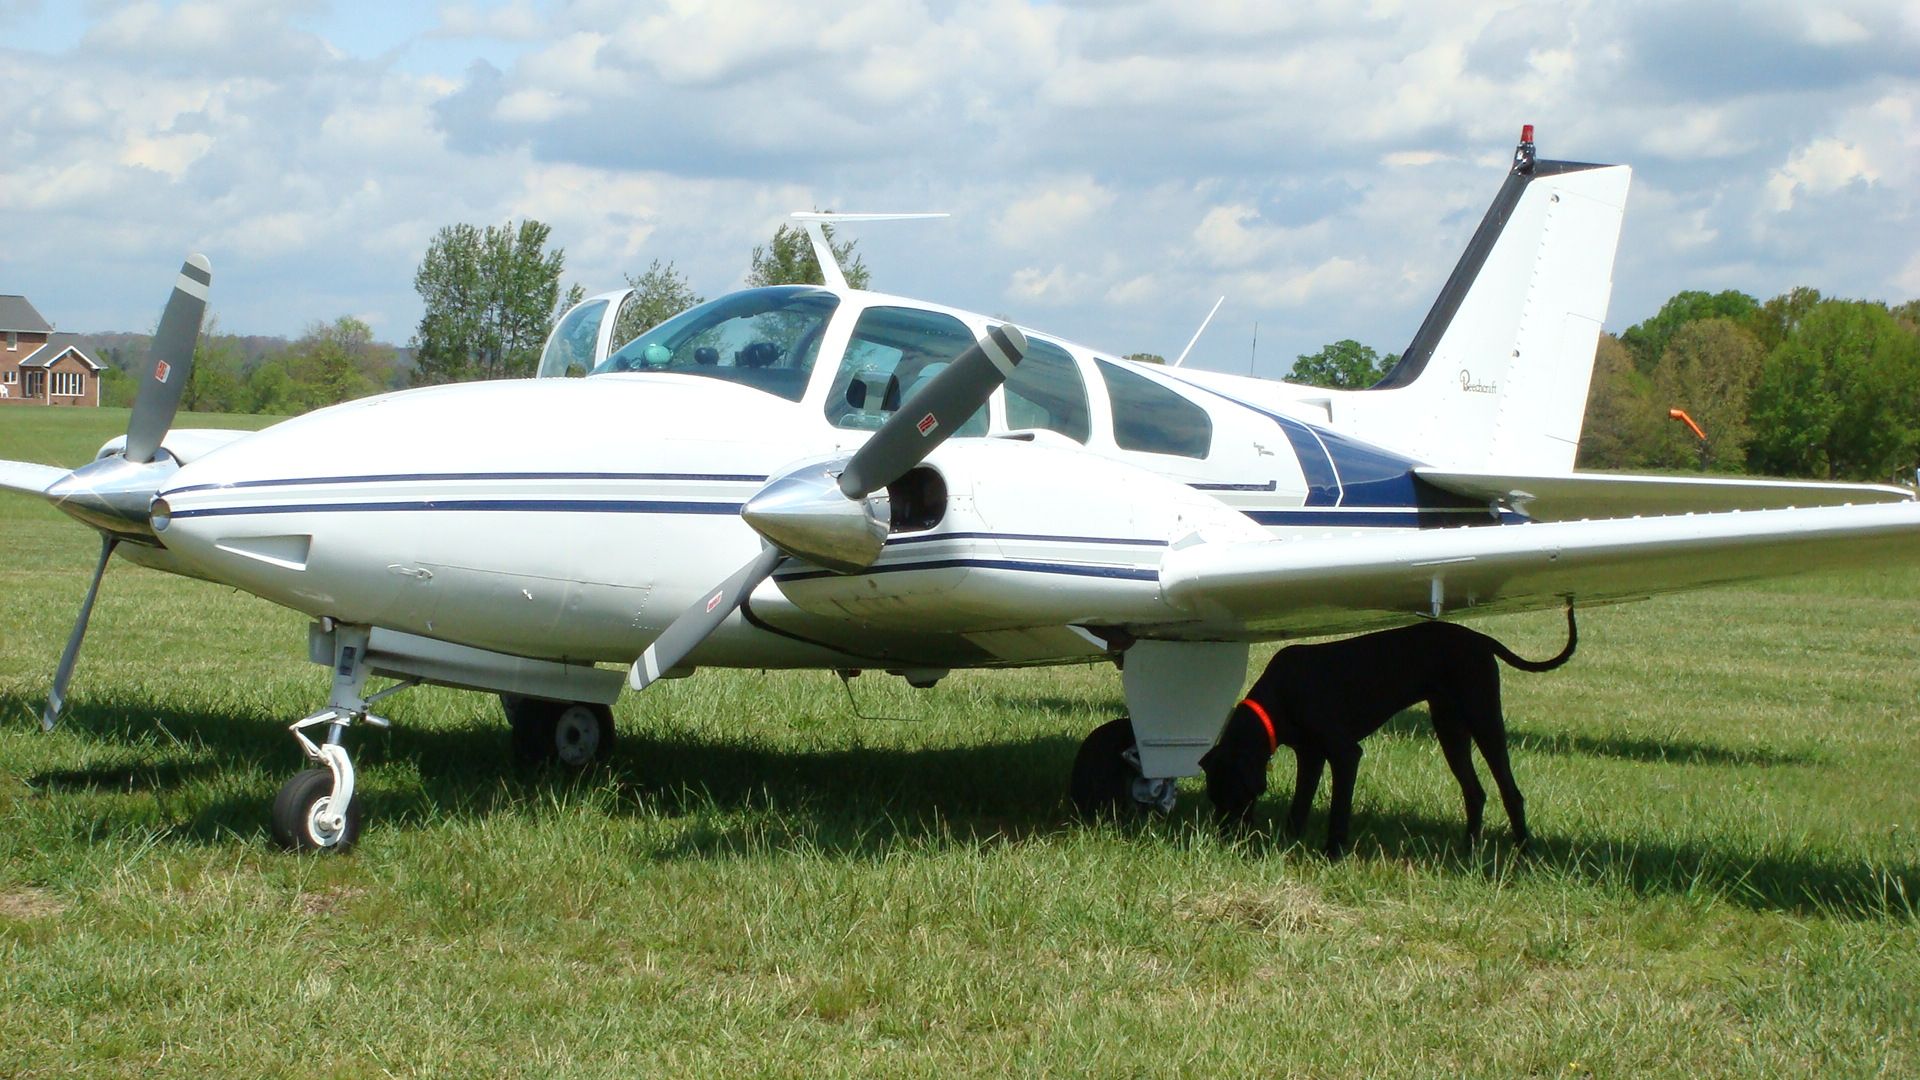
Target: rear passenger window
1153,419
1046,392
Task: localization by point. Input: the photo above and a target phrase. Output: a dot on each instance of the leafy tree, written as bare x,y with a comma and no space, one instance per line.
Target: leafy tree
1147,358
217,383
1709,369
1648,340
338,361
1840,396
1909,315
1779,317
659,294
1343,365
491,296
1624,427
788,259
117,388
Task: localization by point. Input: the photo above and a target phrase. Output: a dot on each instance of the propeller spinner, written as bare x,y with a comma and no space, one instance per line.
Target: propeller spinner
830,519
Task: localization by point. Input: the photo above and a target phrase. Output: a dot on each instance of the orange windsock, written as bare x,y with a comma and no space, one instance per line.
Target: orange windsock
1681,415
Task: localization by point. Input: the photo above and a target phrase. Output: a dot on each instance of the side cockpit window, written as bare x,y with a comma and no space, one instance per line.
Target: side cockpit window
1046,392
893,353
1153,419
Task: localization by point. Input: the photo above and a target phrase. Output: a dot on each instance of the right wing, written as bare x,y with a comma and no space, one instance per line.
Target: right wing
1587,496
1336,584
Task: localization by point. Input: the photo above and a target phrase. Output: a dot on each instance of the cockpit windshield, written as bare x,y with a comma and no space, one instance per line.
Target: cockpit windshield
764,338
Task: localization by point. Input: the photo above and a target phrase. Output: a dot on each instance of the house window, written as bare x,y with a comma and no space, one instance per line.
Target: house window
12,376
13,341
69,383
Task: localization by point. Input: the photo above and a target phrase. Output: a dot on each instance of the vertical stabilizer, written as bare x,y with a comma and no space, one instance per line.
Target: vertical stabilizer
1496,378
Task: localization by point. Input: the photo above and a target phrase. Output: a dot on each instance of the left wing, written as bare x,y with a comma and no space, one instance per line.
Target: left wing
1318,585
28,478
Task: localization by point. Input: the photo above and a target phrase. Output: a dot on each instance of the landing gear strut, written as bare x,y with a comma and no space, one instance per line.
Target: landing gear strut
316,810
1106,780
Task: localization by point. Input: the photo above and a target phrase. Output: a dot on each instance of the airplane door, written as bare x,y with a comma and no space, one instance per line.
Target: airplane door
584,336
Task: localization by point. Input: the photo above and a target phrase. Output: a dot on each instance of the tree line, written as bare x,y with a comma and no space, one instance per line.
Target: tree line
490,296
1801,385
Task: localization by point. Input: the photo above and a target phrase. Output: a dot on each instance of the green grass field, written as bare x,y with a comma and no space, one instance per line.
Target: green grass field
1723,788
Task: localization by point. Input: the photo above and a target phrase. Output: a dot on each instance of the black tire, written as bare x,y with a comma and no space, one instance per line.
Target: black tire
296,812
574,735
1101,786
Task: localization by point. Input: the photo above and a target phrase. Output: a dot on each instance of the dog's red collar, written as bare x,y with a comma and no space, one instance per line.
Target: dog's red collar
1273,741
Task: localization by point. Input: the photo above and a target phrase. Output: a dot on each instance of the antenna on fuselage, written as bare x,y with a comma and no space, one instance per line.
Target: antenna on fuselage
816,221
1195,340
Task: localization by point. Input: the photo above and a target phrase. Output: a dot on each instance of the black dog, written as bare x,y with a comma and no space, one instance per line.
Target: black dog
1323,699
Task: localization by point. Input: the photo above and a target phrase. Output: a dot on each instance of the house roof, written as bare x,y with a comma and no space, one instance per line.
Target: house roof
17,314
57,346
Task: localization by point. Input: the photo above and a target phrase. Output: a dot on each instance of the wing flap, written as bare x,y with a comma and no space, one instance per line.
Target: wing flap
1590,496
1311,586
27,477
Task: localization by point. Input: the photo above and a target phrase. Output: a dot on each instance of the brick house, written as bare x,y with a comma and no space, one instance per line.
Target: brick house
40,367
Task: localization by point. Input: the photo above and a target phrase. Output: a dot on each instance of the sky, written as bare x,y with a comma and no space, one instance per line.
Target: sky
1111,167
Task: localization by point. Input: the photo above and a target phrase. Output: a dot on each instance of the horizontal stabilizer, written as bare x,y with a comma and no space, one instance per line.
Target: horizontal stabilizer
1285,587
25,476
1592,496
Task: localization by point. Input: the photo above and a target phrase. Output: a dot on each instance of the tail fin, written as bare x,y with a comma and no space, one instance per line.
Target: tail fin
1496,378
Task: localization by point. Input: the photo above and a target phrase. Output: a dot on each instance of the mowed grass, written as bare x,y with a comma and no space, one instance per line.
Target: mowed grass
1723,788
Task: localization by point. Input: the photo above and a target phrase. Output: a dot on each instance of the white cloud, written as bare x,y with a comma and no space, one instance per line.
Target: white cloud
1826,26
1049,214
1045,287
1820,167
169,154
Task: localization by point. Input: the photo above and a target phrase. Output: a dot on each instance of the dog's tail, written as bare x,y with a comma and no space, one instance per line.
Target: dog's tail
1524,664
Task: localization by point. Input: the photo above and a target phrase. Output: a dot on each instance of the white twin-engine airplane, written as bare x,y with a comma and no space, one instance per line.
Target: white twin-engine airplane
824,477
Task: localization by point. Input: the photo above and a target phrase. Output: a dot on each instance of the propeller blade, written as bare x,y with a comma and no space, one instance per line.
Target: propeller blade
694,624
934,412
58,697
169,360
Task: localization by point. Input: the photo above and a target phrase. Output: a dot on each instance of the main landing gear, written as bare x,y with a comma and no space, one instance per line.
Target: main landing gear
1107,783
573,734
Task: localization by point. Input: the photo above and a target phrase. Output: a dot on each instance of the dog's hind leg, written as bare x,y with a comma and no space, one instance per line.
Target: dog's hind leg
1306,781
1346,765
1491,738
1457,745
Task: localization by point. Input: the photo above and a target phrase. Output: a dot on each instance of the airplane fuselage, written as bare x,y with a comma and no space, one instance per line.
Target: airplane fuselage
573,519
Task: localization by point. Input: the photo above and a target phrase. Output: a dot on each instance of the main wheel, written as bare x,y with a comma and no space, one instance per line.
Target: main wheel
574,734
1104,771
302,815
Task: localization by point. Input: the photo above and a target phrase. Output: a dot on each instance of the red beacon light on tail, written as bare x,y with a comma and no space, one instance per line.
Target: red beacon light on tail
1523,154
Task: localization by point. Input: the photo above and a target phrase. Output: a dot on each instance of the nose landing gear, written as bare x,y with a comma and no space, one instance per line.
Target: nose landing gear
316,810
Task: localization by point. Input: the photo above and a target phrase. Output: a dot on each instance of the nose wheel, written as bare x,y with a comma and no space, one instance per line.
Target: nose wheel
306,818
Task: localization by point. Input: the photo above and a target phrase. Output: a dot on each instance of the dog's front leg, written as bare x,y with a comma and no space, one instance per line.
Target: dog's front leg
1306,781
1346,766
